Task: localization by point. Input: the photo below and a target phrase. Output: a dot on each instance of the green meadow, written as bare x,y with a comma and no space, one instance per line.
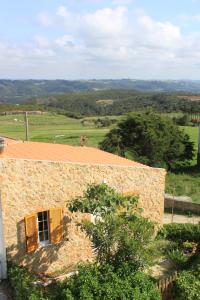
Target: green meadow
52,128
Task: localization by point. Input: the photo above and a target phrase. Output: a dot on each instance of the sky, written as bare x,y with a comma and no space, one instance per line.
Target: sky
100,39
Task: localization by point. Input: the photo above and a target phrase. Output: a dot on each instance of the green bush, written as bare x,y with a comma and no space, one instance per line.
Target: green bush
92,282
21,282
187,286
179,259
104,283
180,232
120,233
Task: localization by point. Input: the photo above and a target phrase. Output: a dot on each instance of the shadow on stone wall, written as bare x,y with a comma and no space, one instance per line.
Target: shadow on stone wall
40,260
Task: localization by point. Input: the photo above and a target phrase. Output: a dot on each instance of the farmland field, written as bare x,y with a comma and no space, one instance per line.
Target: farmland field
52,128
60,129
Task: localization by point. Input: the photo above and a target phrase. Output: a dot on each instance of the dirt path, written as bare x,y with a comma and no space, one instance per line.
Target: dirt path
180,219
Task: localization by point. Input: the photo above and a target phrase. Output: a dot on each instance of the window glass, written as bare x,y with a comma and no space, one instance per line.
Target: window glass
43,228
40,216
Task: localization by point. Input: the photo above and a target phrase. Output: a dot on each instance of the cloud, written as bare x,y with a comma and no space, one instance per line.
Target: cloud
44,19
159,34
62,11
107,42
65,40
41,41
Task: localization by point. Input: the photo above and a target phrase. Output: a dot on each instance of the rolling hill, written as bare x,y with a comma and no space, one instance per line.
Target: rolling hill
17,91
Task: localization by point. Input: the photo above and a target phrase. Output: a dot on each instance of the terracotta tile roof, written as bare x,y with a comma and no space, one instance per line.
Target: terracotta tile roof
64,153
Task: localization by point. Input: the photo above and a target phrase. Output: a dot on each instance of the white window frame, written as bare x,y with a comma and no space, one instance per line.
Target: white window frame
45,242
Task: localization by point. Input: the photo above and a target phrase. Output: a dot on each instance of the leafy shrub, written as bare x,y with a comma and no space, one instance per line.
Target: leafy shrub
103,283
21,282
178,258
187,286
180,232
91,282
100,200
120,234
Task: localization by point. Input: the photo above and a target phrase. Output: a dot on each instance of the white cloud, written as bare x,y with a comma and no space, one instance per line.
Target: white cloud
108,42
62,11
159,34
65,40
44,19
41,41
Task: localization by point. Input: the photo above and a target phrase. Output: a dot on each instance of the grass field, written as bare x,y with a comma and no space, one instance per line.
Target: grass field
60,129
51,128
185,183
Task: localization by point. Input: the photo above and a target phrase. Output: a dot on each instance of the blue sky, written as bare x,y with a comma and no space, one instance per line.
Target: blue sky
83,39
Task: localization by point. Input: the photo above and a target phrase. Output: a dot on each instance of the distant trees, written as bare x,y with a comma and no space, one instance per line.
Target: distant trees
102,102
117,102
150,139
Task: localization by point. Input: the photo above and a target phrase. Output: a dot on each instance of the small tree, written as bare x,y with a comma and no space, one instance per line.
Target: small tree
120,234
151,139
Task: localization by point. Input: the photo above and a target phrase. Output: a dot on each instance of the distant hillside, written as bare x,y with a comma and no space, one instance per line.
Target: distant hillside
114,102
16,91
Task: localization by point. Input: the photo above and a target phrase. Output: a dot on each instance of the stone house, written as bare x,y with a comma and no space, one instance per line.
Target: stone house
38,180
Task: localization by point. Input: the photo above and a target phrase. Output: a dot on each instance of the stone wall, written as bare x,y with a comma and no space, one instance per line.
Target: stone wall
29,186
182,206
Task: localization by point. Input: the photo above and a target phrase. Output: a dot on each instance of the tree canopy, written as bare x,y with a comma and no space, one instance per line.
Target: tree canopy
151,139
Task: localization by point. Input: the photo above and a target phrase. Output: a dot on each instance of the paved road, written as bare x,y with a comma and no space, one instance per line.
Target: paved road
180,219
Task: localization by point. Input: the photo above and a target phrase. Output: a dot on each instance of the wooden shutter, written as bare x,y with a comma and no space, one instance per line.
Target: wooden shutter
56,225
31,232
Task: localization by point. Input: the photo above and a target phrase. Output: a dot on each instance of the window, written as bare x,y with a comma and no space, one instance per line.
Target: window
45,227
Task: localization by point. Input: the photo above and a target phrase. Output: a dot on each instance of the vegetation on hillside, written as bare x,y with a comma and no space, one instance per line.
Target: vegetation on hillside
16,91
116,102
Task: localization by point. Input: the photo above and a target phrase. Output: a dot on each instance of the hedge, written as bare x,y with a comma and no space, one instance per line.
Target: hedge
180,232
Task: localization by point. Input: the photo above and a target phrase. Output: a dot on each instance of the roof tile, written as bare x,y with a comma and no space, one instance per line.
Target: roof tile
64,153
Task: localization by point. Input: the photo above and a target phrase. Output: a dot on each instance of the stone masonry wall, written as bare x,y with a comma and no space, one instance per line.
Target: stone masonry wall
29,186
